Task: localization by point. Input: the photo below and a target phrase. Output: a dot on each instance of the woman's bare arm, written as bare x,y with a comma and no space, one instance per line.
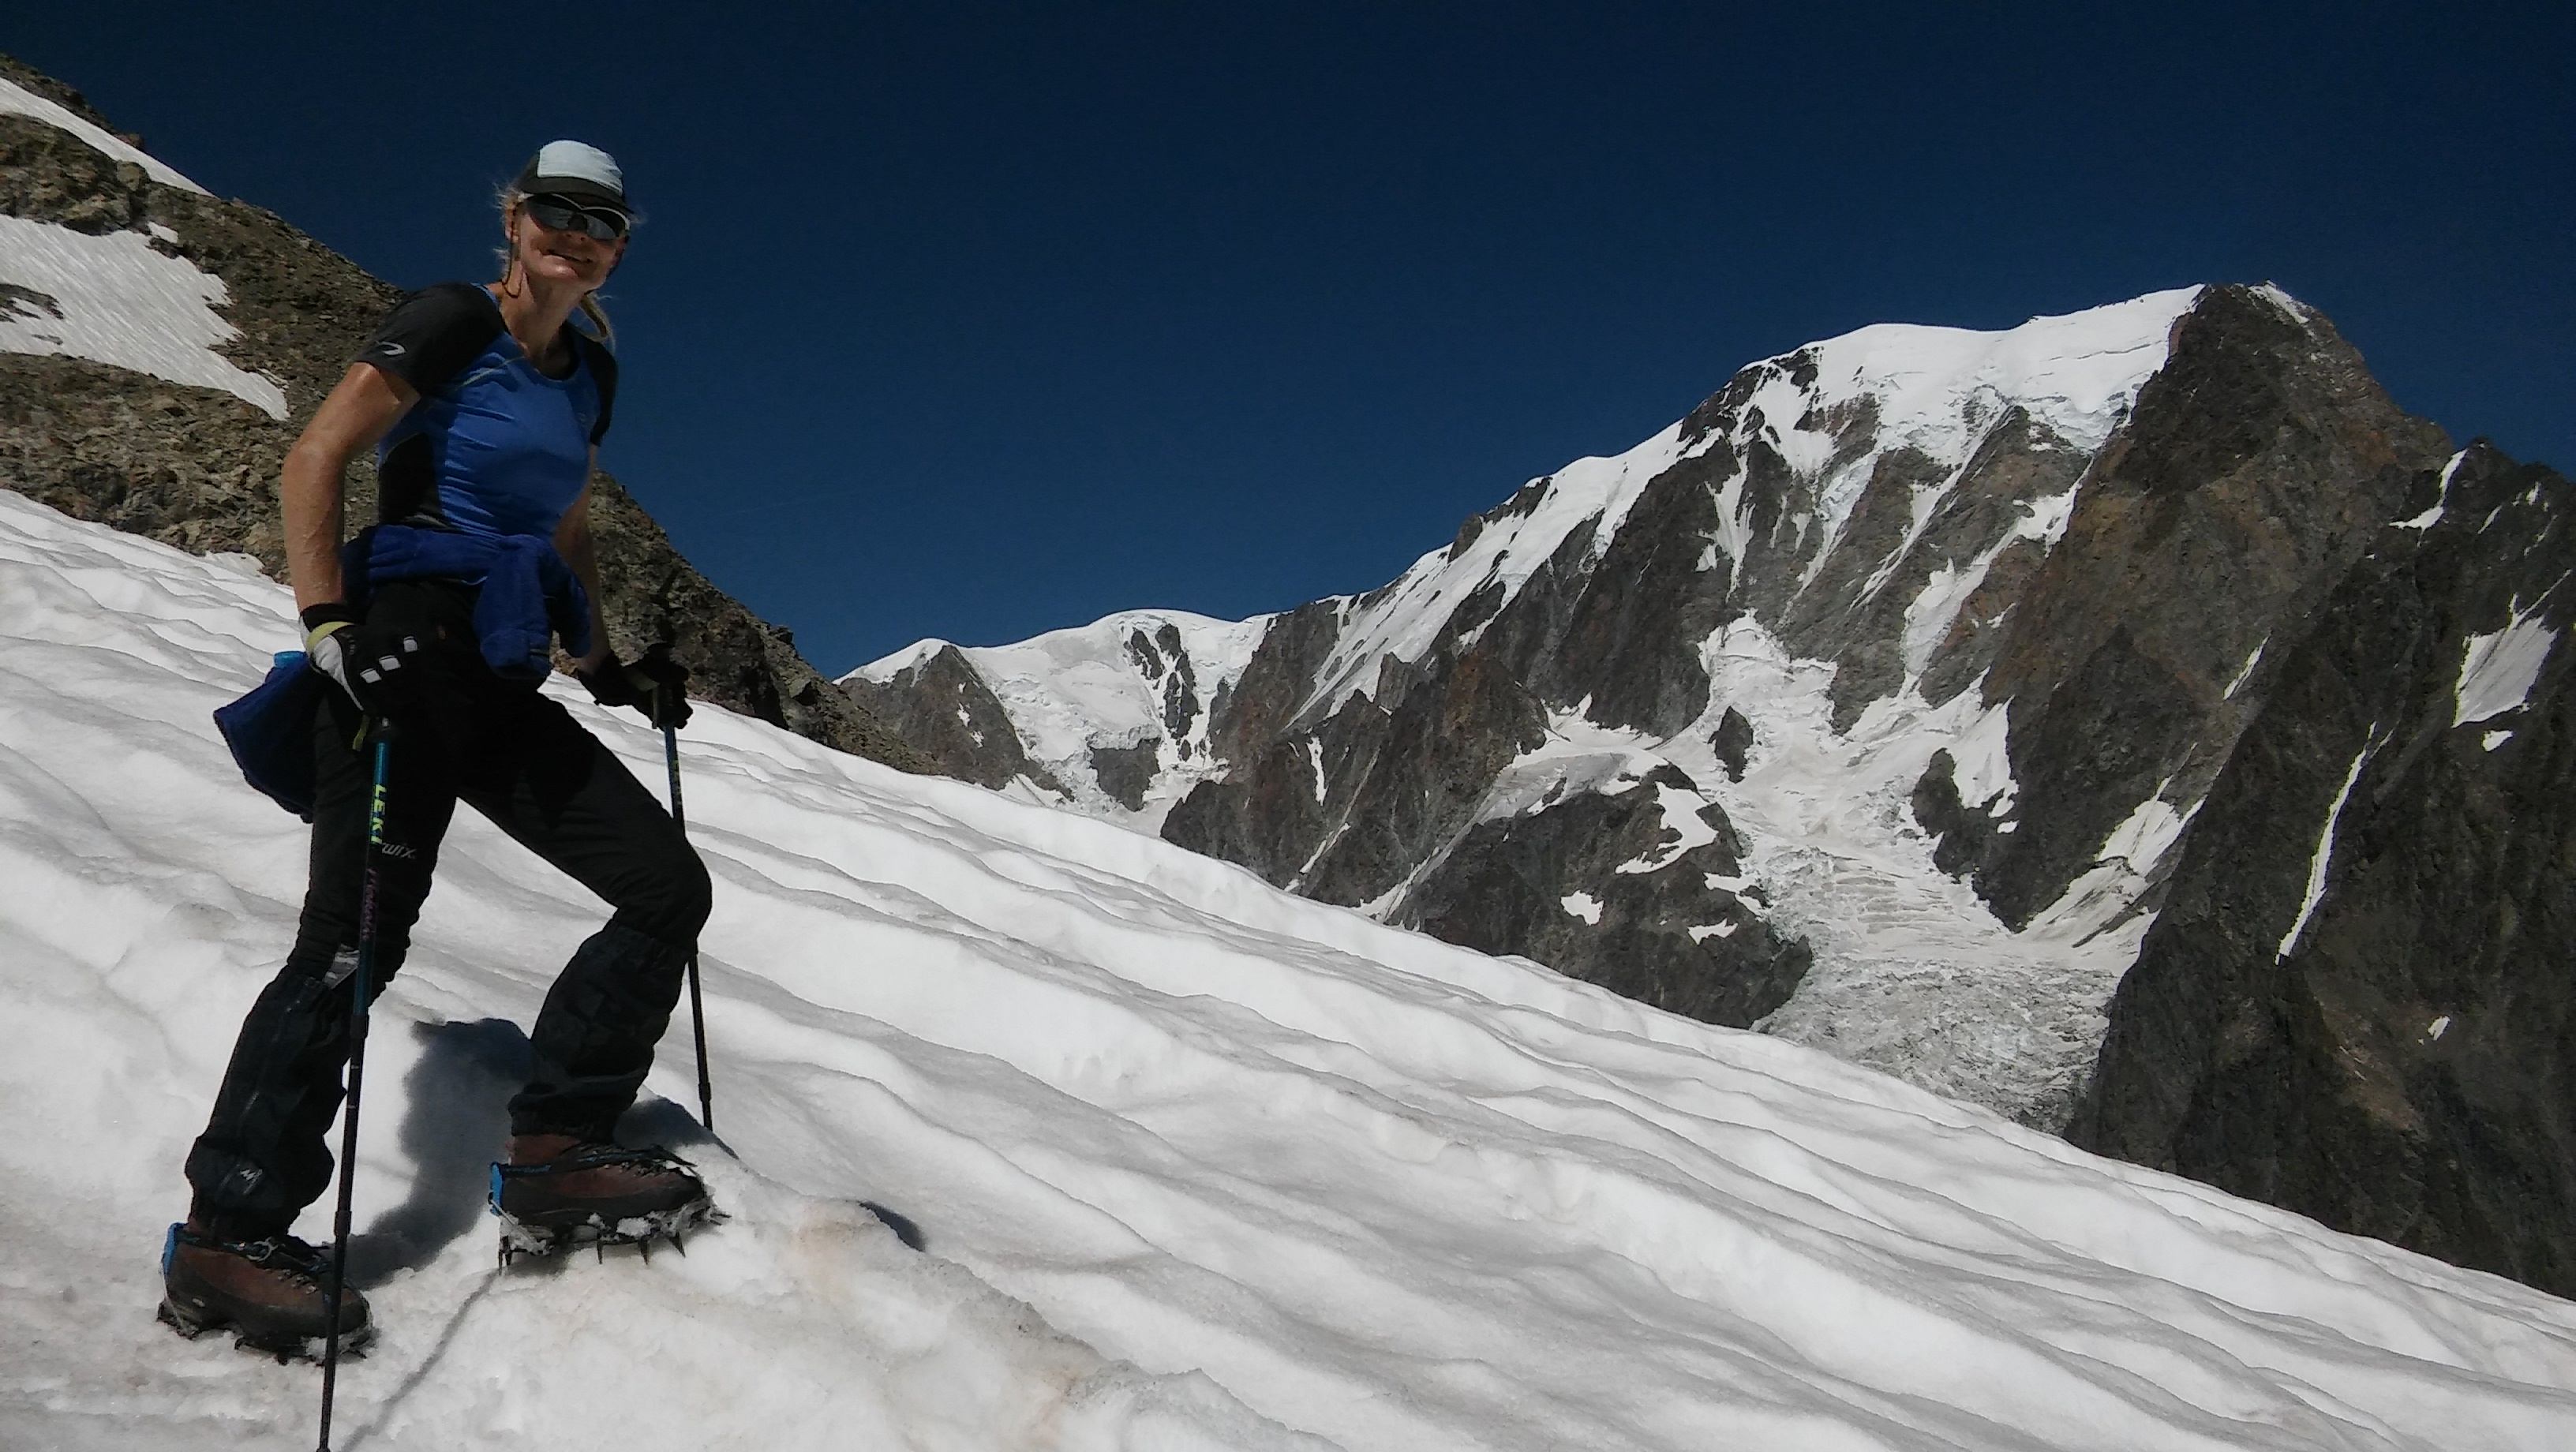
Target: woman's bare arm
361,408
572,541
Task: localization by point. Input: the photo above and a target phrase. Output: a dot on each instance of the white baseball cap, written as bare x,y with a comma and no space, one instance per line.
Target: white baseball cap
576,170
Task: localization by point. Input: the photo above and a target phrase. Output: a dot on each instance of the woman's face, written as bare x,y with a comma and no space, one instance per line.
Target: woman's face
569,256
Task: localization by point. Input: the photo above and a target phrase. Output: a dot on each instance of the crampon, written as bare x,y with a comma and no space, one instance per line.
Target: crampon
286,1346
667,1202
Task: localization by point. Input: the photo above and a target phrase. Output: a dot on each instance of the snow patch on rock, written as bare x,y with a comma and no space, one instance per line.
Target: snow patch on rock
2320,862
113,299
2497,670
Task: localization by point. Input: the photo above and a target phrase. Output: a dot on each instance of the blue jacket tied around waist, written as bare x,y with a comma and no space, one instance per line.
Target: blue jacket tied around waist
529,594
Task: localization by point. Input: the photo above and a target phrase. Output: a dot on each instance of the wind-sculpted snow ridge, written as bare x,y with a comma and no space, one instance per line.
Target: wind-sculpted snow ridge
1195,1163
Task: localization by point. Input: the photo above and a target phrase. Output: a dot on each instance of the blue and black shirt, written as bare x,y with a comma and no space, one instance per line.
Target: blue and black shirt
494,447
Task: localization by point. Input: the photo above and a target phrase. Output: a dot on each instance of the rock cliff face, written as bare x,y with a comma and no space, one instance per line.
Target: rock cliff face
1720,722
159,349
2260,460
2357,1001
943,708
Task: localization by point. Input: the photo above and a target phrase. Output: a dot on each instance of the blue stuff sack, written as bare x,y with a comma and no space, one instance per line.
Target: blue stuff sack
271,732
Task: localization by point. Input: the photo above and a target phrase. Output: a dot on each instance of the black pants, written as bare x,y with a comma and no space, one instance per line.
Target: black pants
460,733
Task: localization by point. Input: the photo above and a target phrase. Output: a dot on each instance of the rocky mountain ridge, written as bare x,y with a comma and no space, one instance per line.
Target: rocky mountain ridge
160,347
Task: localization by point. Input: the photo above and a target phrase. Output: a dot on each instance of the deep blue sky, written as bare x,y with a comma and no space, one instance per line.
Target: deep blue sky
976,320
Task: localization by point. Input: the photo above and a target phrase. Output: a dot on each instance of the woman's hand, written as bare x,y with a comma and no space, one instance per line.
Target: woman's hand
655,685
359,411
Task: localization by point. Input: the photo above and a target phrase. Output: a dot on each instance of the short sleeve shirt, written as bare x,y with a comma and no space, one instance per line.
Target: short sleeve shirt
494,447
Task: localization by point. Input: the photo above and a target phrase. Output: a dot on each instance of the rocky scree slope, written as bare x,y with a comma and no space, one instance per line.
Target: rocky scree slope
1865,703
160,348
2357,1002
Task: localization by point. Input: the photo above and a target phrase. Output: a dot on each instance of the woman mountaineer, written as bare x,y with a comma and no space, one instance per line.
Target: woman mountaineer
487,406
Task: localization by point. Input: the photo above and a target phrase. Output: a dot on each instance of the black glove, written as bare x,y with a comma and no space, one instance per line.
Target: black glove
654,685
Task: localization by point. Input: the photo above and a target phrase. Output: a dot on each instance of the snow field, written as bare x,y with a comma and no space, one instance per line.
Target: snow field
1196,1163
2498,669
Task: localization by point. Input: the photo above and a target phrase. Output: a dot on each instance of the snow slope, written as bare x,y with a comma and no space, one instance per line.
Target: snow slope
1196,1163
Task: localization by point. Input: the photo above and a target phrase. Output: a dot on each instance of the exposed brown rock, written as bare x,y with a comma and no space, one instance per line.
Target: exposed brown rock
943,710
2256,467
2407,1067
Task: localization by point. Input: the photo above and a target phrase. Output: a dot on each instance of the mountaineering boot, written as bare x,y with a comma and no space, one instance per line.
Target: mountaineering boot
559,1189
557,1180
268,1291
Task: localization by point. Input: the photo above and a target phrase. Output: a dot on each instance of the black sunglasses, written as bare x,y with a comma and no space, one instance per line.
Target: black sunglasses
559,214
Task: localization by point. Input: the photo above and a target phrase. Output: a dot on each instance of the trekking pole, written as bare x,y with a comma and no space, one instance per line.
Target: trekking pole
362,982
697,1003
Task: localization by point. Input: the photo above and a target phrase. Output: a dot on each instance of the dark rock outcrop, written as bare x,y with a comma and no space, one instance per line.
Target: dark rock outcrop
2257,465
197,467
1126,771
1654,927
1733,740
943,709
2386,1040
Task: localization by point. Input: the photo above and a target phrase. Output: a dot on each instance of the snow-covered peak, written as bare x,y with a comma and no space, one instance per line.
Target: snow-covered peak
894,663
1125,682
1935,388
